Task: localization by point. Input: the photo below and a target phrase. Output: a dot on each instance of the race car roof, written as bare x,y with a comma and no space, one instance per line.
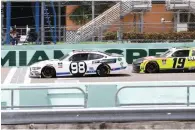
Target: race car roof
76,51
181,48
92,51
87,51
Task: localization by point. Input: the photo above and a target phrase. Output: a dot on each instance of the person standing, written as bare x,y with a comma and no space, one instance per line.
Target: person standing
14,36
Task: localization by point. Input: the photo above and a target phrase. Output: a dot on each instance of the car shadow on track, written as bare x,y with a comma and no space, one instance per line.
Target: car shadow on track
166,72
95,76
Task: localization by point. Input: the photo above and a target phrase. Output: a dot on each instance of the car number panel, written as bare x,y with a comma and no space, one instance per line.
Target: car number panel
78,68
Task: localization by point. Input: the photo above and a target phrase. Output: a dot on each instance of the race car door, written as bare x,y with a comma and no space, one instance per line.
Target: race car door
78,65
191,60
61,67
94,60
180,59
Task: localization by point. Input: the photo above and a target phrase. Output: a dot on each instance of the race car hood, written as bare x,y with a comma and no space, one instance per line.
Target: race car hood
140,60
150,57
41,63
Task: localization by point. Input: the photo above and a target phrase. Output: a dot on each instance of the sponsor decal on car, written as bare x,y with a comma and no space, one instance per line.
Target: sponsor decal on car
164,61
60,65
91,68
191,58
104,61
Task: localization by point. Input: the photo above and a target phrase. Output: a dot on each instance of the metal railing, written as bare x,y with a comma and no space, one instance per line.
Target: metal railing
111,114
190,4
109,16
12,89
68,33
187,103
47,32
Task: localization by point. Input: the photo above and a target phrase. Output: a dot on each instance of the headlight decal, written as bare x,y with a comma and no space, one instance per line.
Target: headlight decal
35,68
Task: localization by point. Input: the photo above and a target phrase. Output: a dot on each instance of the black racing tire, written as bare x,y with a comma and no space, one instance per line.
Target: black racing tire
48,72
103,70
152,67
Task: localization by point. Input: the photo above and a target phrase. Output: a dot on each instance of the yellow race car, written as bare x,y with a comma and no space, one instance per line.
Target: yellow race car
174,60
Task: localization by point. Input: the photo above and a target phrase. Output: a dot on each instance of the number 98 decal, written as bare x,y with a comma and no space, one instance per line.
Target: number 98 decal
78,68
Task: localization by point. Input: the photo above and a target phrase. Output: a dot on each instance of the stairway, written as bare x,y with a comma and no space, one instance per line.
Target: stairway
110,16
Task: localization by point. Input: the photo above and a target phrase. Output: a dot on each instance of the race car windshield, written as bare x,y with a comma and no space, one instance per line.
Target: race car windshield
166,53
64,57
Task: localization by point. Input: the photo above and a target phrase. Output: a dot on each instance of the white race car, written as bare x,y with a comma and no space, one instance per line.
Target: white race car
80,63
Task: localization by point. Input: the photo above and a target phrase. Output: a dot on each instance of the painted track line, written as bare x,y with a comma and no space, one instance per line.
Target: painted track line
10,75
27,79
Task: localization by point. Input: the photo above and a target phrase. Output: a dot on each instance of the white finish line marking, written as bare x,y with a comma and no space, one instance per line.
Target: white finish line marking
27,79
10,75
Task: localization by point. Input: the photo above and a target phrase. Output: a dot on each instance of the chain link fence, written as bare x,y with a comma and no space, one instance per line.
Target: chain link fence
134,27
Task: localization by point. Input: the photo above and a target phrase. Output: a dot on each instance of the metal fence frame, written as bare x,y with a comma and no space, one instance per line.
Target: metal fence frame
39,88
136,104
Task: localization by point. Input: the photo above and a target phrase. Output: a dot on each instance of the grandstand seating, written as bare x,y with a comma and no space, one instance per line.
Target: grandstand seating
110,16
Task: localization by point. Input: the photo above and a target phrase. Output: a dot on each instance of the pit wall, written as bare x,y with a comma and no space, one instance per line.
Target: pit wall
29,54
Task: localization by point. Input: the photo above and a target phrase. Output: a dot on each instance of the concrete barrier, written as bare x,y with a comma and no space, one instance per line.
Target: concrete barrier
99,94
27,55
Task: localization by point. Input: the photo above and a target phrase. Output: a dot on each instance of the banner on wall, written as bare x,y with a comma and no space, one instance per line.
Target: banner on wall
27,57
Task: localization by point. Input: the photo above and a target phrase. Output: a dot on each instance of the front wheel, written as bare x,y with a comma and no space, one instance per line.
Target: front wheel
103,70
48,72
152,67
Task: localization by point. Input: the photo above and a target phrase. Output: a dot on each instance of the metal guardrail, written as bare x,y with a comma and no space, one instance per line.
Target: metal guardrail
12,89
136,104
114,114
96,115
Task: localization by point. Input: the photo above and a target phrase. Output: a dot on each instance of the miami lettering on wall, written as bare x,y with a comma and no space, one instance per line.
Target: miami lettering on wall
27,57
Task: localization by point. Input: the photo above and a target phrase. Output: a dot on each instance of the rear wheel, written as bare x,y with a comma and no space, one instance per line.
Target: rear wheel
152,67
103,70
48,72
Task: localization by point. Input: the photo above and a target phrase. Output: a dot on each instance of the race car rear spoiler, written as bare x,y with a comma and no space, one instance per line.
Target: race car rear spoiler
117,55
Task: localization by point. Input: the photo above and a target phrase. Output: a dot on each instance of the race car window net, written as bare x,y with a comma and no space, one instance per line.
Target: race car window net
64,57
193,52
181,53
95,56
79,57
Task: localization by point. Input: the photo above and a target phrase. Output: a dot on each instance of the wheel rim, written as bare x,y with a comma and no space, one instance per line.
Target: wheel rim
102,71
151,68
47,72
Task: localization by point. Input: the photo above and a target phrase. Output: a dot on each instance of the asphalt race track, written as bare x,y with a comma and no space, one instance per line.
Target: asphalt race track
20,75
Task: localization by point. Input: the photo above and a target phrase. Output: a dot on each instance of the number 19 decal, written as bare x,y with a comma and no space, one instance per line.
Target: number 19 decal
180,62
78,68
